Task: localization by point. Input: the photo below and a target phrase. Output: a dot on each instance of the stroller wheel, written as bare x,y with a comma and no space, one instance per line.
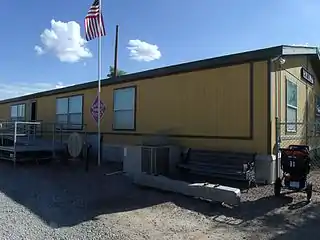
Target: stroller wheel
309,191
277,187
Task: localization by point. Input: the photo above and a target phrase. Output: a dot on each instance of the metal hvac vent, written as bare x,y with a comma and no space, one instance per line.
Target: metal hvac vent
155,160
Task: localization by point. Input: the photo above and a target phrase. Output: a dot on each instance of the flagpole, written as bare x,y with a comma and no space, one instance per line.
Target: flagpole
99,85
115,66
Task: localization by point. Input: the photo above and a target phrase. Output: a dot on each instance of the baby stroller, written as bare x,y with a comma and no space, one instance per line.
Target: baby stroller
295,164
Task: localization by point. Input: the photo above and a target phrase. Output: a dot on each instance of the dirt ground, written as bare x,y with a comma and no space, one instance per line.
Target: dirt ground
63,202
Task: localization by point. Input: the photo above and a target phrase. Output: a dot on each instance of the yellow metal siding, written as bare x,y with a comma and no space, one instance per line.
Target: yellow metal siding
305,99
260,110
292,72
4,111
204,109
201,103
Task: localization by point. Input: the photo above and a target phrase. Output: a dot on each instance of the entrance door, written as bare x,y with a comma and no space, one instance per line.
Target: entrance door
33,116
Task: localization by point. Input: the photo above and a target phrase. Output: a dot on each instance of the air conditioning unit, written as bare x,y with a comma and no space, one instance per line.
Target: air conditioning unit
155,160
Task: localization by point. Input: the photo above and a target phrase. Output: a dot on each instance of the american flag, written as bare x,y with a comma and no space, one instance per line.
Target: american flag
93,27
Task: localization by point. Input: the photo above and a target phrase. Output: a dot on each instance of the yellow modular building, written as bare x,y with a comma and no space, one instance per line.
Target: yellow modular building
224,103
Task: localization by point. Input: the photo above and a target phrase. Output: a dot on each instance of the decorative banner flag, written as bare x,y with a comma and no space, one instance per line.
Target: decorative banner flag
95,109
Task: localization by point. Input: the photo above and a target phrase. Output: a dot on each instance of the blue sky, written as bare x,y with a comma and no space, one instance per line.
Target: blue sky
177,30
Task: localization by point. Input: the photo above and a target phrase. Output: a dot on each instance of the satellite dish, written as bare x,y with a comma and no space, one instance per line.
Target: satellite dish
75,144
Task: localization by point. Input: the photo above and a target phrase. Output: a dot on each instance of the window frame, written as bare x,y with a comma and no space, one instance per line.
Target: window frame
18,118
292,107
317,103
68,125
134,110
316,115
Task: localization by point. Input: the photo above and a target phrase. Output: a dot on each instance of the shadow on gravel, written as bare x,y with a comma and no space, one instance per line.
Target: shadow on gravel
283,226
67,195
247,211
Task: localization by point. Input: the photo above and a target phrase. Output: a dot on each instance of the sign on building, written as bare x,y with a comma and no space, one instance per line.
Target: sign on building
307,76
95,109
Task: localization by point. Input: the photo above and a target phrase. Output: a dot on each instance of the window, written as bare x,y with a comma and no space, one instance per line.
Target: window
292,107
69,112
124,108
317,106
317,115
18,112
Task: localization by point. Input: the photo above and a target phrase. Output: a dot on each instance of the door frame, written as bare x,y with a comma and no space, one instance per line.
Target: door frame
32,103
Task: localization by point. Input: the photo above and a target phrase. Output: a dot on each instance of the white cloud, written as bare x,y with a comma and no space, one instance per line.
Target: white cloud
63,40
19,89
143,51
38,49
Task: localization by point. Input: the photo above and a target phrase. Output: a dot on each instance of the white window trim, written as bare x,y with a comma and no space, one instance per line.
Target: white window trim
68,125
291,107
133,109
18,118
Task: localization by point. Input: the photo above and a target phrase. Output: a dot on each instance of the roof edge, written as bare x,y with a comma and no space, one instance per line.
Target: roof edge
298,50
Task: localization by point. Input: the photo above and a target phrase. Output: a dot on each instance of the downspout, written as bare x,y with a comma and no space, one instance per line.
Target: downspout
278,129
307,106
278,62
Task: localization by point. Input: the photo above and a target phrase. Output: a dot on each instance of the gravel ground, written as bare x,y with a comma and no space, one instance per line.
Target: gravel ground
59,202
